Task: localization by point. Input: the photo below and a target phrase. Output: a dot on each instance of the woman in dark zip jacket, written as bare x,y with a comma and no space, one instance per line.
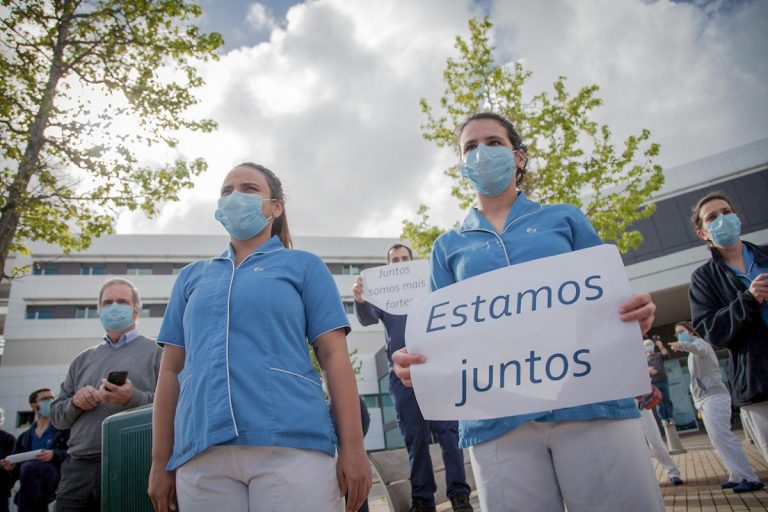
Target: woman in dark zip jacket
729,306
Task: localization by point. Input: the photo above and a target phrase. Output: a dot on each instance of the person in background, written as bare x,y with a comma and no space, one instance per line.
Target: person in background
7,441
729,307
589,458
39,477
86,398
711,398
416,431
656,443
659,379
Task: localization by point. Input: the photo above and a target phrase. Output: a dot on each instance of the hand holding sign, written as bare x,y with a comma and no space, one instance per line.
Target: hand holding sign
536,336
392,288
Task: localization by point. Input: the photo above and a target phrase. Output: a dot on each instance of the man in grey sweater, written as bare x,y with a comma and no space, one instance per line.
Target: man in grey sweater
87,397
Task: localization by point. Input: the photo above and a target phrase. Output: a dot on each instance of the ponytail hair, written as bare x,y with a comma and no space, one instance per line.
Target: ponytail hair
279,224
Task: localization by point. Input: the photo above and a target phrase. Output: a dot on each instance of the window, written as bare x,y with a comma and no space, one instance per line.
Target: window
46,269
93,270
86,312
146,312
177,268
349,308
39,312
388,408
384,384
139,270
393,439
371,401
350,269
24,419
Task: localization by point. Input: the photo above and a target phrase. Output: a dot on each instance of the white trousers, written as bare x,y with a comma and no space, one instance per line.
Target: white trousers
656,444
258,479
745,425
588,466
757,416
717,420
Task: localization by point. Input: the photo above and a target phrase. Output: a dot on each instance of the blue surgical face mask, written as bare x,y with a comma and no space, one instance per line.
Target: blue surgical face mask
116,317
241,216
683,336
44,408
489,169
725,230
649,349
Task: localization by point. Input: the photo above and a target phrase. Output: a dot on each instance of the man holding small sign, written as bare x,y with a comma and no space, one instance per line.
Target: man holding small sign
383,294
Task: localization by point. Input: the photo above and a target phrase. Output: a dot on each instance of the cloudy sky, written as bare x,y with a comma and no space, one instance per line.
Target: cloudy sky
326,94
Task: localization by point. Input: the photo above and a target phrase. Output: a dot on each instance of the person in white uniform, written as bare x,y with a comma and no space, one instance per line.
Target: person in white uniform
711,397
656,443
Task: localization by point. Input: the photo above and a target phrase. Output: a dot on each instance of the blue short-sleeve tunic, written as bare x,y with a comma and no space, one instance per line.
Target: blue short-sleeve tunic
247,376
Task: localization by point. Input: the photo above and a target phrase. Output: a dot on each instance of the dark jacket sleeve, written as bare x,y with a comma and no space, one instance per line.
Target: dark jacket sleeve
23,444
722,323
7,478
367,314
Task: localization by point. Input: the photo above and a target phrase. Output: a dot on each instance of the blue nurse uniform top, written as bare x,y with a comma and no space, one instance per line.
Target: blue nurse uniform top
247,376
531,231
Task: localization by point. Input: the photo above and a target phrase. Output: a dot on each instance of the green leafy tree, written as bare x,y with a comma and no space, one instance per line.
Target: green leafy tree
74,75
571,158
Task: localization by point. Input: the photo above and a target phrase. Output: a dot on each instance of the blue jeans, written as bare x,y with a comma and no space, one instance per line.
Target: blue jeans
38,486
417,433
665,408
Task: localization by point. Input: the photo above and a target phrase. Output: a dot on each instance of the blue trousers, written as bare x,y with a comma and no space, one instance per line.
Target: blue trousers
417,433
665,409
38,486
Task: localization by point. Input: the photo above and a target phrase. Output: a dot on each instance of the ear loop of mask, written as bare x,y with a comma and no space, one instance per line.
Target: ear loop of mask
273,213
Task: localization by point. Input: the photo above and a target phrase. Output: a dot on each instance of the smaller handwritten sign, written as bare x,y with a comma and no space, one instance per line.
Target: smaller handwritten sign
392,288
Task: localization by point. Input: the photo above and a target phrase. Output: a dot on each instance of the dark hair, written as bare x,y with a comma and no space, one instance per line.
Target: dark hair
33,395
512,135
696,210
399,246
279,224
688,327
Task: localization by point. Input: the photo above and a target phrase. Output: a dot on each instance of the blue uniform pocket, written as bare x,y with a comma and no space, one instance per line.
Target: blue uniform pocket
301,415
185,418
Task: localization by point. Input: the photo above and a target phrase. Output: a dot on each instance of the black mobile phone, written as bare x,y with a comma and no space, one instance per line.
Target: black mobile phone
117,378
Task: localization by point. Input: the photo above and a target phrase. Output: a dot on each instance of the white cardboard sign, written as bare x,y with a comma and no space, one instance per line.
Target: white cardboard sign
392,288
535,336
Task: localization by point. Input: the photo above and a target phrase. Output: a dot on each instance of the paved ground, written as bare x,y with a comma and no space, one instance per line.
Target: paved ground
702,471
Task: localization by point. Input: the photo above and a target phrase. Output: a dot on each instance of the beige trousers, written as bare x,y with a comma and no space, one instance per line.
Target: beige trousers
258,479
588,466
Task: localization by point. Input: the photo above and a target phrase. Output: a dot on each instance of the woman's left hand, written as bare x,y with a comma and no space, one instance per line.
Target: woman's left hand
354,473
639,308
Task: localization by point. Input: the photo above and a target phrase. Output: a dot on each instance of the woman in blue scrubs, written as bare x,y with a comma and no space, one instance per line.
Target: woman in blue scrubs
586,458
240,420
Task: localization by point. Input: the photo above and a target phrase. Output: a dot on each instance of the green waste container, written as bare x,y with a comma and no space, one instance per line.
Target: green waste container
126,456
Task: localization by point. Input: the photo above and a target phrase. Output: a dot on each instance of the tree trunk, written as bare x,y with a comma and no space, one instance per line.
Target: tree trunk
11,211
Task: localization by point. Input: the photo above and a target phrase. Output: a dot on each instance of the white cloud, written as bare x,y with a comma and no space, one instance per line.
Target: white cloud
260,18
330,101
